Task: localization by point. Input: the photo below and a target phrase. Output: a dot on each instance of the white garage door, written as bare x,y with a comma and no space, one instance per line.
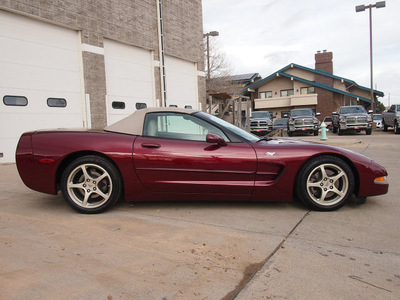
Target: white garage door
40,79
130,79
181,82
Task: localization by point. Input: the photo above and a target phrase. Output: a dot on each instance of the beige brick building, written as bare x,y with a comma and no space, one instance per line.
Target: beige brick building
86,63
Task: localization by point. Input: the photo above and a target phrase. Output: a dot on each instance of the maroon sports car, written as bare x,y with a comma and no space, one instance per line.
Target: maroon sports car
176,154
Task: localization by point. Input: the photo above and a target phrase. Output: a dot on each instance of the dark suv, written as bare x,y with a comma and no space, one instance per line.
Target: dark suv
303,120
261,122
351,118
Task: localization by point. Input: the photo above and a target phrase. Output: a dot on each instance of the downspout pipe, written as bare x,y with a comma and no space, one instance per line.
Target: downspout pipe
161,53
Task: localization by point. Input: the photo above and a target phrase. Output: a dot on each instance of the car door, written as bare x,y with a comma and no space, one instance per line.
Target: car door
173,156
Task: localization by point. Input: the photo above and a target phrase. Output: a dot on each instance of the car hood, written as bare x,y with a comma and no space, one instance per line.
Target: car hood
354,114
259,119
302,117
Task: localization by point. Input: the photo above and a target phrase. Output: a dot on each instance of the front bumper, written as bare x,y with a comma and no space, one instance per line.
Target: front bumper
293,128
355,127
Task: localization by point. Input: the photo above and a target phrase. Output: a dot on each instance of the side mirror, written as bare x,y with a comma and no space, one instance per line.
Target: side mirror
213,138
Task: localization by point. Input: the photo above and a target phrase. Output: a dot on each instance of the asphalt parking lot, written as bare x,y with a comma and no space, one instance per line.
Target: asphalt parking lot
203,250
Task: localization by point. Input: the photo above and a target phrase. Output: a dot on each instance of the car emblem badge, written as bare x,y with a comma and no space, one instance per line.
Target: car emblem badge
271,153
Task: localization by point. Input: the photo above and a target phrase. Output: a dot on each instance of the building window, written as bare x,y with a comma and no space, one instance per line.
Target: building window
350,101
56,102
141,105
15,100
307,90
118,105
264,95
285,114
287,93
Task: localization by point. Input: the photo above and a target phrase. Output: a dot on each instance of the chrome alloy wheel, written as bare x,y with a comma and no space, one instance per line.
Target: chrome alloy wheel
89,185
327,184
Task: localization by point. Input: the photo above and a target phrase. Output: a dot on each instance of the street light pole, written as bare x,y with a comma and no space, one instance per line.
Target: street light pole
207,35
360,8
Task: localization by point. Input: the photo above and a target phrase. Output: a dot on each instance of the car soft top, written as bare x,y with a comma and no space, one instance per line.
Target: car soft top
133,124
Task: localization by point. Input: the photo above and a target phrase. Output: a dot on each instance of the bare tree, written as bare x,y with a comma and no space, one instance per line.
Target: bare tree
220,68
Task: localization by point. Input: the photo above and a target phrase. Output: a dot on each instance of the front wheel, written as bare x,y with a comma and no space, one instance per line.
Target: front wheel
385,127
316,133
91,184
368,131
325,183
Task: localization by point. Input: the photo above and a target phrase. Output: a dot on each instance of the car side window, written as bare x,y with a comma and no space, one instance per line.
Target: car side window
178,126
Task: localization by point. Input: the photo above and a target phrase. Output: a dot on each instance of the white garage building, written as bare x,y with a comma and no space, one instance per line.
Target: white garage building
90,67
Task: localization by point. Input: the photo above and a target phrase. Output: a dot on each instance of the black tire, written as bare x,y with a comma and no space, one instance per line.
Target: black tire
91,184
325,183
396,128
316,133
289,133
385,127
368,131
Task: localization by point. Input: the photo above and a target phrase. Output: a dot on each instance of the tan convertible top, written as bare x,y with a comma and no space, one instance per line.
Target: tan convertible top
133,124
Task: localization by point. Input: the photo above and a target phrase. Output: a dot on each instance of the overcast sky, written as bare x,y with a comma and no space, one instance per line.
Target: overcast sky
263,36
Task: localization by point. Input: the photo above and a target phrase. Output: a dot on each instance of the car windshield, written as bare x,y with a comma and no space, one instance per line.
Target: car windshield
377,117
353,110
260,114
301,112
328,119
281,122
236,130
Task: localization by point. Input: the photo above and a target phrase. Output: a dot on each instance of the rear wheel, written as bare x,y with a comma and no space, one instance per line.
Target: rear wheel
396,128
325,183
368,131
91,184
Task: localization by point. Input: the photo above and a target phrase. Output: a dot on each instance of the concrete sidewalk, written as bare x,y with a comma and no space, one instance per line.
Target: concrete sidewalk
201,250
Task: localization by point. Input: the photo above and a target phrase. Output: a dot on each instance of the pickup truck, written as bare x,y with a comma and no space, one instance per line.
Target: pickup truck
391,118
303,120
351,118
261,122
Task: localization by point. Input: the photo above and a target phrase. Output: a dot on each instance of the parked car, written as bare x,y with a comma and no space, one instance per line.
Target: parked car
391,118
351,118
303,120
281,123
261,122
328,122
378,121
181,154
